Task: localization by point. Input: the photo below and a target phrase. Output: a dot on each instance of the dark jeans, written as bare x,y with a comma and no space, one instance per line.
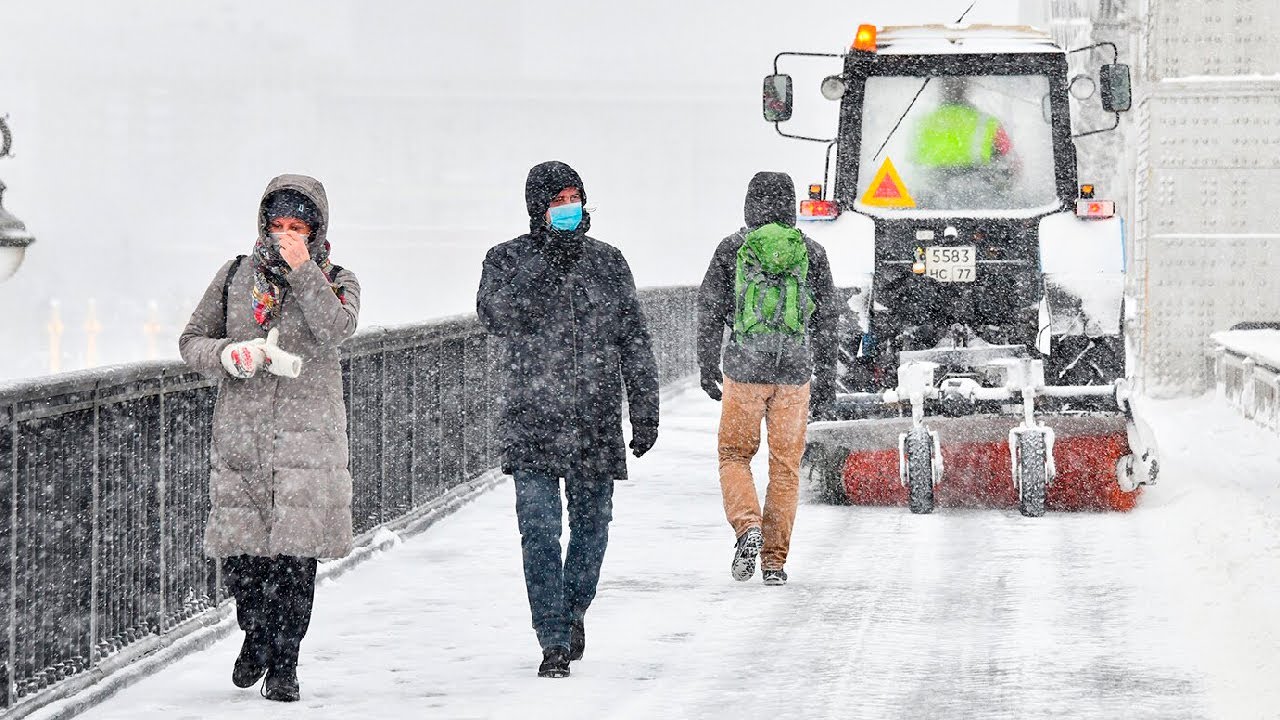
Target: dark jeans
274,596
561,591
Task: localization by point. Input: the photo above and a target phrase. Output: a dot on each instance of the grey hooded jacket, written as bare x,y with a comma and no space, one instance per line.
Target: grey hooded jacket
815,359
279,482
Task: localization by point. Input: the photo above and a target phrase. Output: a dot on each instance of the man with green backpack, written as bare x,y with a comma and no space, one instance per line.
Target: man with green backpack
771,287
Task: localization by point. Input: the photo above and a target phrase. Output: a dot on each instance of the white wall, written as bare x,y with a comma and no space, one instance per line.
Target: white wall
1208,221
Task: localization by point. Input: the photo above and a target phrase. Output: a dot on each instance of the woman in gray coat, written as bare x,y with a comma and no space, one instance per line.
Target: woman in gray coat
268,329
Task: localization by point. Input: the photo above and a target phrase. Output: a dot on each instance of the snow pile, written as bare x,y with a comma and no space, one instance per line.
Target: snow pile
385,539
1262,345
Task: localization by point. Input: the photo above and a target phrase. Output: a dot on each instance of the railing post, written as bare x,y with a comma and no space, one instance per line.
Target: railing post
95,528
412,378
12,609
441,364
1220,371
1246,387
494,378
464,408
162,504
1272,417
382,430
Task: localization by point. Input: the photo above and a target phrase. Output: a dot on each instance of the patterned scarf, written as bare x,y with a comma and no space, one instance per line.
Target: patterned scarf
270,285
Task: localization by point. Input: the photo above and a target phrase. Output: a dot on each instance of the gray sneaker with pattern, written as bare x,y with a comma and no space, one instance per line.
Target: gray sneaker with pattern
745,554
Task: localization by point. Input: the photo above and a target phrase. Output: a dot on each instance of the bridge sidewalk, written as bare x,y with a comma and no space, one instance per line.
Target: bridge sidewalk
1160,613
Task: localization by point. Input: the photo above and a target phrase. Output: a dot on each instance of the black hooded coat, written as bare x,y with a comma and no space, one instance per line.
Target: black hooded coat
771,198
572,333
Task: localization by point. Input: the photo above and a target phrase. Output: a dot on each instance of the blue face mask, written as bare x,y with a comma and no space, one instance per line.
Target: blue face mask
566,217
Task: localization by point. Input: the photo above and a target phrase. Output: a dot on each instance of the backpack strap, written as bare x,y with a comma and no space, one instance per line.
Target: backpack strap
226,289
747,307
338,290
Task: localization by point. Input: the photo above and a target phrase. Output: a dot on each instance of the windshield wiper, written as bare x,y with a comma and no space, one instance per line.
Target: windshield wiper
923,85
898,124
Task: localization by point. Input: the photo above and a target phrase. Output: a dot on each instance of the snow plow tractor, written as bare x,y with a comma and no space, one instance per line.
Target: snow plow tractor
982,355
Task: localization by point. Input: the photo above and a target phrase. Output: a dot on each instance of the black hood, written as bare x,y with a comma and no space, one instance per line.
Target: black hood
309,188
290,203
544,183
771,198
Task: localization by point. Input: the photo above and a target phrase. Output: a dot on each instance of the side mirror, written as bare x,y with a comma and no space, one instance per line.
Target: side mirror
777,98
1117,92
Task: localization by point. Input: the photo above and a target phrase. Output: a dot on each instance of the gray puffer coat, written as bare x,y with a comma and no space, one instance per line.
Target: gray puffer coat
279,483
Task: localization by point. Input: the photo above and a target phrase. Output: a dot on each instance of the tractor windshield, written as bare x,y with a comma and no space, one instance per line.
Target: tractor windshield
970,144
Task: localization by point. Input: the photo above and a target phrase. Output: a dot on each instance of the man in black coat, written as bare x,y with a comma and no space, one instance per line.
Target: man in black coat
573,333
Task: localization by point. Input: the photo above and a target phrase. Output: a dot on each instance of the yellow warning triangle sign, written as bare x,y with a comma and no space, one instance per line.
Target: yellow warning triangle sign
887,189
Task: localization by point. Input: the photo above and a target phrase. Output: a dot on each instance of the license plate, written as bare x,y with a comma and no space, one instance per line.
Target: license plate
956,263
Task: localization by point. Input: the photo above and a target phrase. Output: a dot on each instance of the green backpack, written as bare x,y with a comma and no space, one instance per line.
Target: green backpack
773,302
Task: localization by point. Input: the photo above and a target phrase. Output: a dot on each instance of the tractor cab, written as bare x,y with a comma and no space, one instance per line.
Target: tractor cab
986,284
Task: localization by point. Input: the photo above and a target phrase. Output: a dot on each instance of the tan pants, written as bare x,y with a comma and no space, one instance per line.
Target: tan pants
785,409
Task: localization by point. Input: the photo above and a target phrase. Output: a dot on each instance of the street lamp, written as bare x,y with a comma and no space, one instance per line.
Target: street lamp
14,240
14,237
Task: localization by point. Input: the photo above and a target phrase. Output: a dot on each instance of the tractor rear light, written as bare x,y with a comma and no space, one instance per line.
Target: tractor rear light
1095,208
865,40
819,210
815,192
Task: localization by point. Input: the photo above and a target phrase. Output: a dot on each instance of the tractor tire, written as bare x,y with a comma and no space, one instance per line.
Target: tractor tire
823,471
1031,468
919,452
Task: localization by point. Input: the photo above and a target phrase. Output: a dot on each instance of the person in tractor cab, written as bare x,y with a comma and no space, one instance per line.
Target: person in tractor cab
957,141
772,287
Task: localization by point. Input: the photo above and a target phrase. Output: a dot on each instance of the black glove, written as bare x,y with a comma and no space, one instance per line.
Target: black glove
711,381
643,436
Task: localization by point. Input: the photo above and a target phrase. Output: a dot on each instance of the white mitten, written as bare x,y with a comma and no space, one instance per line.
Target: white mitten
279,362
242,359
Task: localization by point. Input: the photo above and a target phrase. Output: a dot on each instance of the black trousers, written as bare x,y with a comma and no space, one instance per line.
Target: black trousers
274,597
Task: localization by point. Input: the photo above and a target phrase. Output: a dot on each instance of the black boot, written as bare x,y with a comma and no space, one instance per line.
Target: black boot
577,639
555,663
282,685
252,661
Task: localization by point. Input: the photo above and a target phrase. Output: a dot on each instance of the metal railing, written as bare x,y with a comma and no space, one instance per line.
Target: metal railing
104,480
1248,383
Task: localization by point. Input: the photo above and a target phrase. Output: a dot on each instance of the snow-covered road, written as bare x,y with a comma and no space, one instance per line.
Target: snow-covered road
1168,612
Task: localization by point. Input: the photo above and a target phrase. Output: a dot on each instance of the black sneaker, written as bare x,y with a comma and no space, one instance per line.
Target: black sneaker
555,663
251,664
577,639
282,685
775,577
745,554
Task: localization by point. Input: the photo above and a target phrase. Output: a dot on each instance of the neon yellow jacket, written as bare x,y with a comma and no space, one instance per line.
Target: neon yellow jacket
956,136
